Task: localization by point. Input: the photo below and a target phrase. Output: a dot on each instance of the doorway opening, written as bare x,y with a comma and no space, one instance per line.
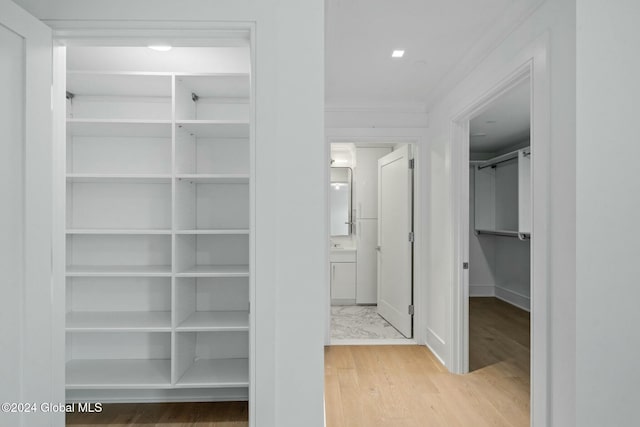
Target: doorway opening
499,232
371,214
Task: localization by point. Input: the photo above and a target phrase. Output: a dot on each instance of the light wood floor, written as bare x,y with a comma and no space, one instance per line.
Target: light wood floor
388,386
406,386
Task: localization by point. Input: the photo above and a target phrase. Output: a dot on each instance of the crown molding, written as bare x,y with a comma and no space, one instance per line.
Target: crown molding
376,108
515,16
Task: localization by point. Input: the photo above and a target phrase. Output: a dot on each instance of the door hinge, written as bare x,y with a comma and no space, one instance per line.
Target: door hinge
465,265
411,310
412,163
249,307
411,237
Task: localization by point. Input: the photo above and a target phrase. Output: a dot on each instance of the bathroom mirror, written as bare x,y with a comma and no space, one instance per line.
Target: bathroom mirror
340,201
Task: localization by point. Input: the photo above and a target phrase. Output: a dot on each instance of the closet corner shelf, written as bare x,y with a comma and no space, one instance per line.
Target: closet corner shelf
119,321
114,231
215,178
128,178
118,271
118,374
216,373
215,271
214,231
228,321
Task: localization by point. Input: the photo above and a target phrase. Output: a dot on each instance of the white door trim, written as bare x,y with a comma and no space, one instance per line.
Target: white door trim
39,374
385,136
533,64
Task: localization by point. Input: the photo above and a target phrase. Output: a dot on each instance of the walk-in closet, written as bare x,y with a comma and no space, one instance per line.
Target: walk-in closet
500,231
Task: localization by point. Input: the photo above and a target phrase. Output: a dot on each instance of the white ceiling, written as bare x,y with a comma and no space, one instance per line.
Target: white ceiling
436,35
505,122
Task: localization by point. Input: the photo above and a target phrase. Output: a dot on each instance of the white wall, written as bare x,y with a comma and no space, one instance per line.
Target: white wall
376,116
482,252
290,98
513,270
553,21
498,265
608,207
512,256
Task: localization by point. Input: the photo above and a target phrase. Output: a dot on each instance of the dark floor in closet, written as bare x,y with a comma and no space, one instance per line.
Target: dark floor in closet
218,414
498,332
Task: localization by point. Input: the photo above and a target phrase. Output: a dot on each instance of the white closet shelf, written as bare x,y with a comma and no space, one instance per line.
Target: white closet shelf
215,178
216,373
128,178
510,233
114,231
215,128
125,128
228,321
90,83
118,373
118,271
119,321
215,271
214,231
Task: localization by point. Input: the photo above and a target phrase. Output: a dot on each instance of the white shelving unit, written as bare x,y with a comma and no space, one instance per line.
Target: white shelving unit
157,232
503,195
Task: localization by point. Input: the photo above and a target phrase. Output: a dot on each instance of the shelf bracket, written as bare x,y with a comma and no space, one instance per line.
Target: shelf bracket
194,97
70,96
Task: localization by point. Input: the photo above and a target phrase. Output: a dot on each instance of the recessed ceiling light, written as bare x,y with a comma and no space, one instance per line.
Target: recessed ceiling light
397,54
160,47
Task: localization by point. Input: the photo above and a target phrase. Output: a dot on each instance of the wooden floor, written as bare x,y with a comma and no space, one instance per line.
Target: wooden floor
388,386
406,386
219,414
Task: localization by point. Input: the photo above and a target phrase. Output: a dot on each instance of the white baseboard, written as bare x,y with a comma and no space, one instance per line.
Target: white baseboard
343,301
513,298
369,341
482,290
159,395
436,345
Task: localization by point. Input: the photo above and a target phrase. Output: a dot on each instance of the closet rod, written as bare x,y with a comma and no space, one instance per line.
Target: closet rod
503,158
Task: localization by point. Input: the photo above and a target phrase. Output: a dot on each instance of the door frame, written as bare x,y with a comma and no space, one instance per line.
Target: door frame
37,322
533,65
370,137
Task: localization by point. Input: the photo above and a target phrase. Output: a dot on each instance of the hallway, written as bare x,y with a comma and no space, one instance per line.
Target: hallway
406,386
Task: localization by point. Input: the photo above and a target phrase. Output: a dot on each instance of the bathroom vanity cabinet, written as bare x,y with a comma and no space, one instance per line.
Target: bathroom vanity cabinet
343,276
343,283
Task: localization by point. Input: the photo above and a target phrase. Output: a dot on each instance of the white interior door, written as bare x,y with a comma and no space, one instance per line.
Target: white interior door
395,291
28,369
